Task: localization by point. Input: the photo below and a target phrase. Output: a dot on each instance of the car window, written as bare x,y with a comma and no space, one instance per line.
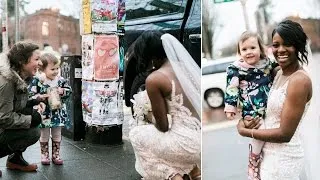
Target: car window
215,68
136,9
195,18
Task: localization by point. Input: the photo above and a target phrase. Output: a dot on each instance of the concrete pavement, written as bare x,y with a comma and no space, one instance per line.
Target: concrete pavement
82,161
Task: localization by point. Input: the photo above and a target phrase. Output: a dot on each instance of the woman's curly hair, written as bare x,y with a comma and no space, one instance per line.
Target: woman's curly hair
20,54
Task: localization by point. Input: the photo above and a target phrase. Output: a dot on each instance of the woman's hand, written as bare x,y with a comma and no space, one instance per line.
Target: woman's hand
42,97
251,123
244,125
41,107
241,127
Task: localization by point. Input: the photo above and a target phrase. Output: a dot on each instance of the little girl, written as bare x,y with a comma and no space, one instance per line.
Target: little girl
55,115
249,80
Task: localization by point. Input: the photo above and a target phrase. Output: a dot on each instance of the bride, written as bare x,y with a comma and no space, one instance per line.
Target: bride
285,152
170,146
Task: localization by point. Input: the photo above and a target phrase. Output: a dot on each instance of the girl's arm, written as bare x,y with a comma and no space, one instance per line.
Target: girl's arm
232,90
298,94
156,85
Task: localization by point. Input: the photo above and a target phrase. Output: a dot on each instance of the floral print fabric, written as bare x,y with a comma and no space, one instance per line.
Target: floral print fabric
249,86
52,118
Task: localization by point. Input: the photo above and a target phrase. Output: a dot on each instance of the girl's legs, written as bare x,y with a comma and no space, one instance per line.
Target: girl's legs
44,134
56,140
44,145
257,146
56,134
255,157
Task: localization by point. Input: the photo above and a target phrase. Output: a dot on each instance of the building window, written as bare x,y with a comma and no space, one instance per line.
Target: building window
45,28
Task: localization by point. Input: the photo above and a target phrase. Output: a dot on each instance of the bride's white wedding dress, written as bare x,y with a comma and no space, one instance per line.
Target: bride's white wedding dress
281,161
158,154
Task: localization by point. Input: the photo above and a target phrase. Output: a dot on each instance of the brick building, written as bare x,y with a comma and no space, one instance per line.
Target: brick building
49,26
311,28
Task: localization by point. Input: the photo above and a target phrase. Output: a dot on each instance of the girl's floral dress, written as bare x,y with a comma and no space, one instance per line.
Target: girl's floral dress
249,86
52,118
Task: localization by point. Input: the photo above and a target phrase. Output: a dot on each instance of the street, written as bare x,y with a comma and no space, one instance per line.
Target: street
225,152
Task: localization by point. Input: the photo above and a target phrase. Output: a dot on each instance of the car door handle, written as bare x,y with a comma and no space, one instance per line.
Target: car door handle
194,38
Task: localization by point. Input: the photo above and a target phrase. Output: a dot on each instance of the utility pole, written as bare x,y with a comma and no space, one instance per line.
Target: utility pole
17,17
245,15
5,47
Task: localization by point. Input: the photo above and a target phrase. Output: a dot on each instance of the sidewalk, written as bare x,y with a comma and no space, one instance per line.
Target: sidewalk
82,161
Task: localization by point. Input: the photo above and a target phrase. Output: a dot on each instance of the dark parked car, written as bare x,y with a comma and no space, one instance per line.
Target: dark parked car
181,18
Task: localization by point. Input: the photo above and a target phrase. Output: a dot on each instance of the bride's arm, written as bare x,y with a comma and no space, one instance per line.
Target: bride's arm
298,94
154,86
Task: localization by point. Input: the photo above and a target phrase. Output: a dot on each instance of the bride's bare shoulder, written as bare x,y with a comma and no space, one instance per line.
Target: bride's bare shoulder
159,79
301,82
301,78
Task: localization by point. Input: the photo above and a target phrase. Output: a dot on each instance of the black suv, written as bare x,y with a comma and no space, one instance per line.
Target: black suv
181,18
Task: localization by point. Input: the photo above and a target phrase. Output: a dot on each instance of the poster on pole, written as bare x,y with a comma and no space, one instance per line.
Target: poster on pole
87,57
87,98
85,17
104,16
120,102
121,15
106,104
106,57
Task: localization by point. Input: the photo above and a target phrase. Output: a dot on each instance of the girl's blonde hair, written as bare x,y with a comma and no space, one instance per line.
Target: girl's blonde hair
47,58
248,34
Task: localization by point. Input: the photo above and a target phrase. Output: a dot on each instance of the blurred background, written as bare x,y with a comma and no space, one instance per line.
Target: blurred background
225,152
54,25
223,21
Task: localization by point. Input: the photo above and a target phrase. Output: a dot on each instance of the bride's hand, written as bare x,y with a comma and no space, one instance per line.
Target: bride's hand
251,123
245,125
241,127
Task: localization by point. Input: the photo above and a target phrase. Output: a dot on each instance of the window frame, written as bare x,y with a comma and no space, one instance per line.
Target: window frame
158,18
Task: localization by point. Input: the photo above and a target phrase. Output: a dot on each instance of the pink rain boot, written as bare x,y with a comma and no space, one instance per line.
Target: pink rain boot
56,153
254,165
45,160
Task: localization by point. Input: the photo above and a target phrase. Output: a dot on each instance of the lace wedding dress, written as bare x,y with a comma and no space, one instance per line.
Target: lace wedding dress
281,161
160,155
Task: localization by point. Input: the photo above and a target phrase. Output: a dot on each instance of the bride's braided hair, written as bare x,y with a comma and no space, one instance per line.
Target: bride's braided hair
292,33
